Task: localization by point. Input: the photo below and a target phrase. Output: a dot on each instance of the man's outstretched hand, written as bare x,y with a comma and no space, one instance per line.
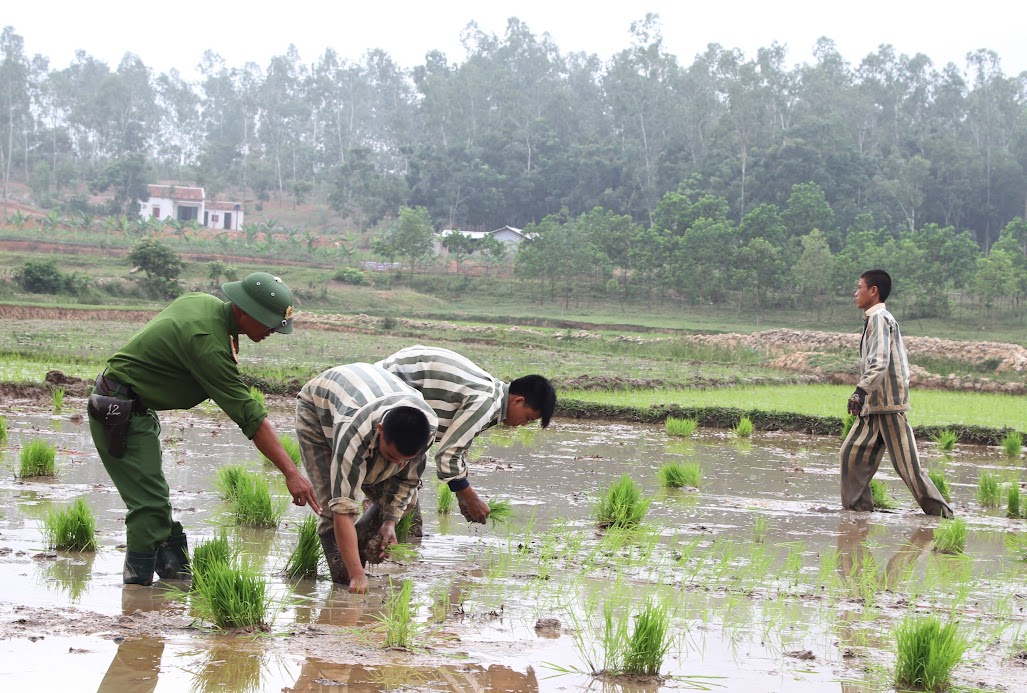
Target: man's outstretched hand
473,508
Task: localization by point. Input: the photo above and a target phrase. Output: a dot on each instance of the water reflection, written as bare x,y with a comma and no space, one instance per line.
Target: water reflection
225,668
135,667
318,676
70,574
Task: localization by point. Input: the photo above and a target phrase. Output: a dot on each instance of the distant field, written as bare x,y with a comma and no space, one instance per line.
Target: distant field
928,407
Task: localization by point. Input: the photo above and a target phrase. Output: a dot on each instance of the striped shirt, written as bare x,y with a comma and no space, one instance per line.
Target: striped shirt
883,366
351,401
466,399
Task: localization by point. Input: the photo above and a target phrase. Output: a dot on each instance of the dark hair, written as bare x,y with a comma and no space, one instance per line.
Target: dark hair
538,393
880,279
408,429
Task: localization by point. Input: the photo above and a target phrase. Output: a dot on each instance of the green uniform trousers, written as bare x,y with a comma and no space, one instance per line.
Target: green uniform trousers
861,456
140,480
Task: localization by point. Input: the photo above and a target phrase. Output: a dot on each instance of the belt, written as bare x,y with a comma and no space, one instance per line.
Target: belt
109,387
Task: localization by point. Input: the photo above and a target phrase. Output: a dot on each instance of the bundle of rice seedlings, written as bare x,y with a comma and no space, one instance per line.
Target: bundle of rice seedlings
3,430
304,559
680,475
1012,444
681,427
988,489
231,594
937,476
879,492
254,506
37,459
743,429
396,622
228,479
71,529
927,652
291,447
847,422
621,505
209,552
57,399
946,439
649,642
256,394
446,499
500,511
402,553
1013,499
403,527
950,537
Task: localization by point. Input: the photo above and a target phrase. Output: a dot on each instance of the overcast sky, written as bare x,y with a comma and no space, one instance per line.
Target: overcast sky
175,34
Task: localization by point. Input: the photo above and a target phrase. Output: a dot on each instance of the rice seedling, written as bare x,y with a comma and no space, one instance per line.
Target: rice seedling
207,553
927,652
57,399
231,594
1017,545
988,489
760,524
397,622
304,559
1012,444
879,492
1013,499
937,477
37,459
402,553
950,537
256,394
228,480
3,430
72,528
649,641
254,506
291,447
946,439
680,427
743,429
446,499
680,474
847,422
621,505
403,526
500,511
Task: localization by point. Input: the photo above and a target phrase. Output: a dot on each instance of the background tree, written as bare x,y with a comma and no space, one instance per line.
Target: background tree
161,265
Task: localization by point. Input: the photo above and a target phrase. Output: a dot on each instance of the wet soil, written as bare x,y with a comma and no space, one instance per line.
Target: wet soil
504,606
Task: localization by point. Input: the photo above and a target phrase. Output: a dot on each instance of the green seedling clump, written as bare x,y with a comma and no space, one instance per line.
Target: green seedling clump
946,439
447,499
228,480
500,511
403,526
37,459
950,537
304,558
57,399
743,429
937,477
3,430
927,653
680,475
760,525
291,447
681,427
207,553
847,422
649,642
254,506
621,505
402,553
396,622
882,499
231,595
71,529
256,394
1012,444
988,490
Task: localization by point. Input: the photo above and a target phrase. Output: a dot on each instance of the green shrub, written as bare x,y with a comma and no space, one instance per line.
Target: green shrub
350,275
937,476
621,505
1012,444
743,429
927,652
946,439
950,537
71,529
879,492
988,490
680,475
681,427
37,459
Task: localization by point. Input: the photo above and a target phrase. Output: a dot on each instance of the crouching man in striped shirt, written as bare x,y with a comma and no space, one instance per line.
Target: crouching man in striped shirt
467,401
360,428
880,403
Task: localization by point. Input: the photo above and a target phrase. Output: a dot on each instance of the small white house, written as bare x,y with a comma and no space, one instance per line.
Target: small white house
185,203
509,235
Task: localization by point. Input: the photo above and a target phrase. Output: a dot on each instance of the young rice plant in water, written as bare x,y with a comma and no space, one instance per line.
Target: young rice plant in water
950,537
927,653
446,499
1012,444
879,491
621,505
680,427
988,490
254,506
57,399
228,480
403,526
1013,508
72,528
396,622
37,459
743,429
256,394
650,640
680,474
207,553
304,558
291,447
937,477
847,421
231,594
3,430
946,440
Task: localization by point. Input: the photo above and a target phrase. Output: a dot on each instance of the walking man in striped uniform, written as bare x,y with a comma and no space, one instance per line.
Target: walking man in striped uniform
360,428
468,401
880,403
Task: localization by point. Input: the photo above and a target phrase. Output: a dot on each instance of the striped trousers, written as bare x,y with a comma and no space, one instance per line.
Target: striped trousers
861,455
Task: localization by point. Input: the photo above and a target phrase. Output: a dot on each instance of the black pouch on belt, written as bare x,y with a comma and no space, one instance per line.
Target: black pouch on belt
114,415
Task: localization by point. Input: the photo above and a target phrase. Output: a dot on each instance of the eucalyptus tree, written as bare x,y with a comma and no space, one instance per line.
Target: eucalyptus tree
179,122
15,113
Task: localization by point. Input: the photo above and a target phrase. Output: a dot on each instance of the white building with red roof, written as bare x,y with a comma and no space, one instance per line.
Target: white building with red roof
186,203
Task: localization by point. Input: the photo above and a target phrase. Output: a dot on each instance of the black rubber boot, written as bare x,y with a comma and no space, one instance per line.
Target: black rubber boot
139,568
173,558
369,538
330,547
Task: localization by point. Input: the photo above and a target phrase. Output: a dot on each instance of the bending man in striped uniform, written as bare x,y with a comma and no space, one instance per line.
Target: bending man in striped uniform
360,428
467,401
880,403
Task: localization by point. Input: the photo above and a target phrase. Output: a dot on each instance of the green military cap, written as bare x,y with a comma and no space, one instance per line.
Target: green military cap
263,297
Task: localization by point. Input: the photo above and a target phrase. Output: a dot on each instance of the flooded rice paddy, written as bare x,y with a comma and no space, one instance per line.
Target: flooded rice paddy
769,586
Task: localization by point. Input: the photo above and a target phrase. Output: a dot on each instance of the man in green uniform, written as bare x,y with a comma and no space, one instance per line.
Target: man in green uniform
183,356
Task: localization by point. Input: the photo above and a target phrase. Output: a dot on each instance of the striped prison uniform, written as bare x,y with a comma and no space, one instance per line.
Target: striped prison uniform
882,425
337,418
466,399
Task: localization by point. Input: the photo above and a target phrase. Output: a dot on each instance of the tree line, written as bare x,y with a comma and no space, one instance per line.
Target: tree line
519,131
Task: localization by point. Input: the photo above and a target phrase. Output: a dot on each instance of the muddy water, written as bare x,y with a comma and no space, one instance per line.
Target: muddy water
769,586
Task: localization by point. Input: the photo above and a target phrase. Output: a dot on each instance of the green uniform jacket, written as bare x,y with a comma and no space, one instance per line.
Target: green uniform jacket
185,355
